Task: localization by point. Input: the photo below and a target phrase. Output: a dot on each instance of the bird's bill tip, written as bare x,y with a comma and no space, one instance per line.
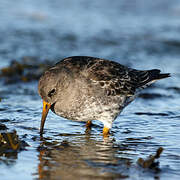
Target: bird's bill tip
46,107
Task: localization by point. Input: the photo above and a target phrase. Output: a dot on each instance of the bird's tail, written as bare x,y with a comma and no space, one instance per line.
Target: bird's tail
155,74
150,76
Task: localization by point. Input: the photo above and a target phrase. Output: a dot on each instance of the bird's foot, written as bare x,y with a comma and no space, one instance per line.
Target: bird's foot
105,132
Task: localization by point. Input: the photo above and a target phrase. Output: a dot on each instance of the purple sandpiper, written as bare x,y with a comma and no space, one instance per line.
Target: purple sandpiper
83,88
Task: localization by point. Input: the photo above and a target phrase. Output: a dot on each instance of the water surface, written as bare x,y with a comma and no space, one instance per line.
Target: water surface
138,34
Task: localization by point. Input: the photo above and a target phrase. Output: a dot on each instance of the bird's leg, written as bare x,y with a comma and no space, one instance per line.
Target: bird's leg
88,126
105,131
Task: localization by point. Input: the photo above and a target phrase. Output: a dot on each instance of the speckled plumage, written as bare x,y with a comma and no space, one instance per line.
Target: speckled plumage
84,88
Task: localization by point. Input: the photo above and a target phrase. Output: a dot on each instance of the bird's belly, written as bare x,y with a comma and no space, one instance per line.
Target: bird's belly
91,113
93,109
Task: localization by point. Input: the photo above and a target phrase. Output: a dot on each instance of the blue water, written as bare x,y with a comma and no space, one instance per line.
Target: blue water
140,34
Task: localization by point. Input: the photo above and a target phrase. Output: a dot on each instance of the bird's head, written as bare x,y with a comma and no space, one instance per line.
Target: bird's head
48,90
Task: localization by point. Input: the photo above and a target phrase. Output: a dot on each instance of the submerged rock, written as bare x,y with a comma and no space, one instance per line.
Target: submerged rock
3,126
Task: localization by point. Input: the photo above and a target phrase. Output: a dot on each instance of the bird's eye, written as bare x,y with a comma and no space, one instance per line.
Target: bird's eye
51,93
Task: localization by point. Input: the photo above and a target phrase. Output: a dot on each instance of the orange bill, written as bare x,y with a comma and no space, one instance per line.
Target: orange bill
46,107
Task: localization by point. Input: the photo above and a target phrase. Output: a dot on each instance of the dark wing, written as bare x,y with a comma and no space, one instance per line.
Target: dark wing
117,79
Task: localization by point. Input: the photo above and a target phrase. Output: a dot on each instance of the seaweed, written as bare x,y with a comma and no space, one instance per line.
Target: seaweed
10,142
25,70
150,161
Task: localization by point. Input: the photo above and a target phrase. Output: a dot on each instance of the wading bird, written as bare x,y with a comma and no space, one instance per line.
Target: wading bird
82,88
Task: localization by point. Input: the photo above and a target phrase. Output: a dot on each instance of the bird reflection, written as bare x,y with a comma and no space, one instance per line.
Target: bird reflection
81,156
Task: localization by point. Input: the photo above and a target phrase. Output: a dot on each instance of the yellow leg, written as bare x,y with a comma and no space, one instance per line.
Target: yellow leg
88,127
88,124
105,131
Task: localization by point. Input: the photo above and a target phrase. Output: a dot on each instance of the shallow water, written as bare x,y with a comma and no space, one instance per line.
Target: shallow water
141,35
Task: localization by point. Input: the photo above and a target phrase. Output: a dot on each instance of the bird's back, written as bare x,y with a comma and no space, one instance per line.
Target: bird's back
115,78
